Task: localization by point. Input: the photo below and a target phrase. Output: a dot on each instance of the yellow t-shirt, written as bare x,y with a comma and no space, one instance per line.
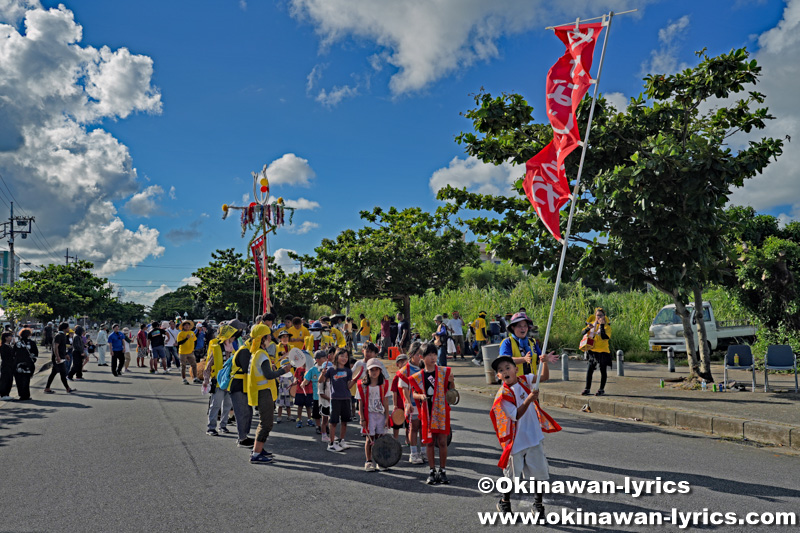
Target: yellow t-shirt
187,347
298,336
365,327
479,325
338,338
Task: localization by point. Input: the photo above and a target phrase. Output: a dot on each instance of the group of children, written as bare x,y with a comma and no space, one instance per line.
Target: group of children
333,391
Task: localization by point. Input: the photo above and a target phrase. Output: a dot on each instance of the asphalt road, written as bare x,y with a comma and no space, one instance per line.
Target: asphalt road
131,454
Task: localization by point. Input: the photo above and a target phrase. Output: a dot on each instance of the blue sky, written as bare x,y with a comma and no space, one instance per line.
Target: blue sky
358,102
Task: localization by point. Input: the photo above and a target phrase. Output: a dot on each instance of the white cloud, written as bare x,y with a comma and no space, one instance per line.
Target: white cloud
333,97
283,260
778,186
243,5
426,41
62,168
303,228
146,298
290,170
665,60
301,203
172,194
194,281
145,203
476,176
314,76
618,100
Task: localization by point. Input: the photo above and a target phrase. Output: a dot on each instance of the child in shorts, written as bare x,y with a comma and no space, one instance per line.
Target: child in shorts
341,379
520,425
303,396
285,381
373,406
324,400
311,377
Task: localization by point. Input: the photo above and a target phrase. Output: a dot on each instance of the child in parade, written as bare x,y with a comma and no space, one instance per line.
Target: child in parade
430,386
219,350
311,377
285,381
398,399
317,340
325,400
261,389
520,425
413,433
374,406
303,396
519,347
341,378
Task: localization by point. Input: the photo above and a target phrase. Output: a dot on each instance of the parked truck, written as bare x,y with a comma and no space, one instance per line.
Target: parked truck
666,331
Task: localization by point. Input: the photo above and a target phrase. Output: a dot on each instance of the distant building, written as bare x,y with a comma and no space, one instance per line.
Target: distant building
487,257
5,271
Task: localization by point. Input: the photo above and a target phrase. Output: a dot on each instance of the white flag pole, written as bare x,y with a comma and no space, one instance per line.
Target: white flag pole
576,190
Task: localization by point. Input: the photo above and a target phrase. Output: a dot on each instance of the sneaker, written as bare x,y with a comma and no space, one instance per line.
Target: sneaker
324,438
334,447
443,477
152,371
185,382
212,432
72,390
197,380
432,480
224,430
477,363
246,443
6,398
342,444
585,392
369,466
299,424
279,420
268,454
260,459
319,431
601,392
417,459
311,423
504,506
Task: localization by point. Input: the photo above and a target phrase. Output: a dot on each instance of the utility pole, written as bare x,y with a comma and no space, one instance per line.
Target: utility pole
20,225
67,257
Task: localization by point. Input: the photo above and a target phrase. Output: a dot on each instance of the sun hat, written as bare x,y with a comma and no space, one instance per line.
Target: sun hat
520,317
315,326
400,358
439,318
374,363
284,332
191,324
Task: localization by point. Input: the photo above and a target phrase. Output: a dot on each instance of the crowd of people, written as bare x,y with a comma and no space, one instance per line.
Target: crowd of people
256,369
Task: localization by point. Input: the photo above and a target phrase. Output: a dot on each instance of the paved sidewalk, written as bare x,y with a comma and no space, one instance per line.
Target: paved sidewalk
769,418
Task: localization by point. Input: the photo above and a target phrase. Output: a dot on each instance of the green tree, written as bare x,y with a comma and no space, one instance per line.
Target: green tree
175,303
36,311
399,254
67,289
656,180
226,285
119,312
503,276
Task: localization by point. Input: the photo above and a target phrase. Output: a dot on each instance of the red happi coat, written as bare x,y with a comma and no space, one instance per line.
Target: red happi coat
437,419
363,394
505,428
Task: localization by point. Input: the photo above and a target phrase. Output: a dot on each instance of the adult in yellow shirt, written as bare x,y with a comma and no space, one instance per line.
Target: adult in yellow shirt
317,340
186,340
598,328
478,327
336,333
298,333
364,329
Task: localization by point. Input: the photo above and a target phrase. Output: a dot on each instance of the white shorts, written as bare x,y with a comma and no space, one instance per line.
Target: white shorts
377,424
528,463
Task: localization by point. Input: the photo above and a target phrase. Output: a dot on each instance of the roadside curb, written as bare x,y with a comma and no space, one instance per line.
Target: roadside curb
783,435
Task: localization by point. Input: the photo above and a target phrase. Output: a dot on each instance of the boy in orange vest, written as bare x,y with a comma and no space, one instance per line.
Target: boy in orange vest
520,425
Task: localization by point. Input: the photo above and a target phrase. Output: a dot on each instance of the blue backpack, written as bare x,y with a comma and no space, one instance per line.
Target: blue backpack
224,374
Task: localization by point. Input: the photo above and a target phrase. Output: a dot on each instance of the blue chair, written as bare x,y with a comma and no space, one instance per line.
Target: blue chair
746,362
779,357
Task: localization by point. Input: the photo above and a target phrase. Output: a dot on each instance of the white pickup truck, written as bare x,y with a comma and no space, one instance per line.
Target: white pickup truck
666,330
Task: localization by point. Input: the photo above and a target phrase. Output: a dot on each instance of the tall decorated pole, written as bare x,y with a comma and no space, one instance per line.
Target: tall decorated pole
263,217
546,184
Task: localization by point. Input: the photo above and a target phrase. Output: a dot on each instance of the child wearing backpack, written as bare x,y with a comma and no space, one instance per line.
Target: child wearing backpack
373,407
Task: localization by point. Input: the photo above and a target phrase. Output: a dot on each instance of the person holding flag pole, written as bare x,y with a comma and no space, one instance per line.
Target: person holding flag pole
520,429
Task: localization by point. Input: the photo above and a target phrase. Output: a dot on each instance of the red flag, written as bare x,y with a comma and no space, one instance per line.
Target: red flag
546,184
259,251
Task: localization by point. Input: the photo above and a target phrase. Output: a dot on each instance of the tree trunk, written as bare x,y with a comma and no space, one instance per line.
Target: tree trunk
702,336
688,335
407,308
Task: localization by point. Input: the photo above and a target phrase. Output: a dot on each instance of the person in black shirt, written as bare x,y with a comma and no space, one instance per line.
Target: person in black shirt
78,351
59,359
7,366
156,339
25,354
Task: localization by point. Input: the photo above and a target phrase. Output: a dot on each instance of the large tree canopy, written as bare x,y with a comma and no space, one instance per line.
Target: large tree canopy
399,254
656,181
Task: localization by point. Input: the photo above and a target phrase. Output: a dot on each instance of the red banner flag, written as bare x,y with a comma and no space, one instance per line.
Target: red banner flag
259,251
546,184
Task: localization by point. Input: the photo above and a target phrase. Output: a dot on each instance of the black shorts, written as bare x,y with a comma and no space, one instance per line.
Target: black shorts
303,400
315,410
340,411
326,411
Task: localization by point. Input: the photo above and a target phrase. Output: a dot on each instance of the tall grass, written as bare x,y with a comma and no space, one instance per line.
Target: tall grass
629,312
